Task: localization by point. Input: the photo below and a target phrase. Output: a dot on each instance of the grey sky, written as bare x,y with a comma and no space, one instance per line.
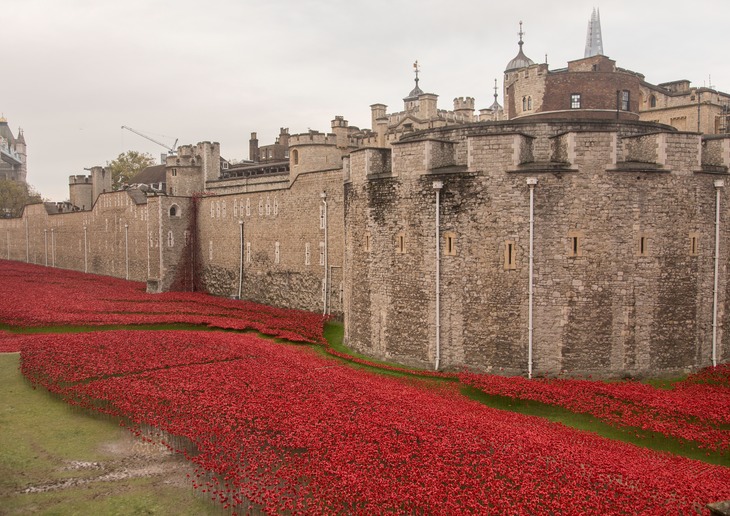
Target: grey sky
73,72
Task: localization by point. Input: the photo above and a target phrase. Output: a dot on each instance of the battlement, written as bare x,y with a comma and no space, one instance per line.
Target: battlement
464,103
79,179
312,138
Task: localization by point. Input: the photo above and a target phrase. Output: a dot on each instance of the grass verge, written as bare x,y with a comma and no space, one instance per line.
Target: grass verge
40,436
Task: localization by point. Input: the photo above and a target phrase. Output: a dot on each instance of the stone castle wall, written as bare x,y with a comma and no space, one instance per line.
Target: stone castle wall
283,243
623,255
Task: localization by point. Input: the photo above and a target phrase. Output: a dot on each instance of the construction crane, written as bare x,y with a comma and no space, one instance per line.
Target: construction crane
170,150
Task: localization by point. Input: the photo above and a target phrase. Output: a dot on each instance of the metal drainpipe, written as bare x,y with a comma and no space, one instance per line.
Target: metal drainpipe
438,185
45,244
86,261
240,262
126,249
719,183
323,196
53,246
531,181
27,241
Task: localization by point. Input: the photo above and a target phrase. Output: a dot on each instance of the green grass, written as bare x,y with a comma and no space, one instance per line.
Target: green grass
40,434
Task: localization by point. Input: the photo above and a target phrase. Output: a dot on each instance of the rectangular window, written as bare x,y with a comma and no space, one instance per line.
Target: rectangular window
307,259
694,244
248,207
268,207
321,253
642,245
276,252
449,244
575,243
321,216
509,255
235,207
248,252
625,100
575,101
367,242
400,243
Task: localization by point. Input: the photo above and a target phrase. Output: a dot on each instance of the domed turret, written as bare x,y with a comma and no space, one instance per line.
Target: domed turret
520,60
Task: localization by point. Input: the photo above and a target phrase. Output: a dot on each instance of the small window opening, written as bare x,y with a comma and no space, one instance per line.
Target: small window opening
509,255
449,244
367,242
575,244
694,244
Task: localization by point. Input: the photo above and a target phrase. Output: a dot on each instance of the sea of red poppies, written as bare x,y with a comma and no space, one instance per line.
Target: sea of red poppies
697,409
284,429
31,295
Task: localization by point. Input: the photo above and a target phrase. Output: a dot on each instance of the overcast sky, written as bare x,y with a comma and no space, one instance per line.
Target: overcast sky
72,72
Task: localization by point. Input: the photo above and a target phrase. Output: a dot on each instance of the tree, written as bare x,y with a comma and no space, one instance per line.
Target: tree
14,195
127,165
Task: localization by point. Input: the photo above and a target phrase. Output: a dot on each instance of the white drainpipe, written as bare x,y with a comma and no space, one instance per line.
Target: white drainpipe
53,246
438,185
531,181
126,249
719,183
45,239
240,262
323,196
86,260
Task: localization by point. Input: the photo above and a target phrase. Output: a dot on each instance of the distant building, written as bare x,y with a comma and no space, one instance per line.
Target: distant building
13,154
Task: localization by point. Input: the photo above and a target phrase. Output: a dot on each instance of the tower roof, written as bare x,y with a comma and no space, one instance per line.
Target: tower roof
495,105
520,60
20,138
6,133
416,91
594,40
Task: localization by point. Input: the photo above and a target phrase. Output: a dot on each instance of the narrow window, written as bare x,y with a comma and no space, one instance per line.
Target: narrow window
321,216
173,210
174,172
529,103
450,244
277,254
248,207
187,237
212,210
524,103
223,209
268,206
509,255
307,259
694,244
575,101
235,208
367,241
575,243
400,243
652,101
218,209
170,239
248,252
295,156
321,253
625,100
276,206
642,245
261,207
210,250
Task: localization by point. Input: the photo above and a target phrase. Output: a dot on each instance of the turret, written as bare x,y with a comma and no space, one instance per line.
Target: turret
101,180
464,108
253,148
339,128
81,191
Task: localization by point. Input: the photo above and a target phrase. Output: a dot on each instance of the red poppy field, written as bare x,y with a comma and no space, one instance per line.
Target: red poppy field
283,428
